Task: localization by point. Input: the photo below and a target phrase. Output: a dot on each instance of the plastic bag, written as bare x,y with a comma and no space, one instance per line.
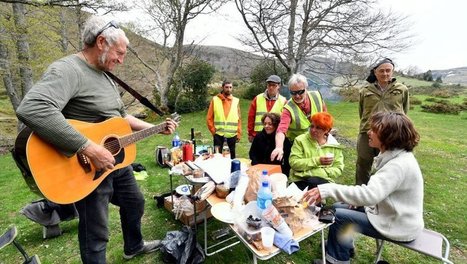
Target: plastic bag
181,247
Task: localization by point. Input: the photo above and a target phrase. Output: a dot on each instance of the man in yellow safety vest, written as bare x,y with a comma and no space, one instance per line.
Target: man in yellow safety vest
295,117
223,118
270,101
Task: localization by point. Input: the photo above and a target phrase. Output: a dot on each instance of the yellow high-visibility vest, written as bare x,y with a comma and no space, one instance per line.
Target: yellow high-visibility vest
300,122
262,109
226,127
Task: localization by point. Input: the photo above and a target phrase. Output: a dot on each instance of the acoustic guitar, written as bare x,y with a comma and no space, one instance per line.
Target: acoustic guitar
65,180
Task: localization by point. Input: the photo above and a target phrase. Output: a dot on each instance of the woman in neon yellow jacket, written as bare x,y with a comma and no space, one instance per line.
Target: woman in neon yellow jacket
316,156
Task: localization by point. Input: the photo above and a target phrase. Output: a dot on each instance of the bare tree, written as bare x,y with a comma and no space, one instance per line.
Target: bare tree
169,21
297,30
5,70
93,5
22,49
20,37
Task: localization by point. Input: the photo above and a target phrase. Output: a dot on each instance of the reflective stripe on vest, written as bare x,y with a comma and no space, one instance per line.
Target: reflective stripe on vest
300,122
262,109
225,127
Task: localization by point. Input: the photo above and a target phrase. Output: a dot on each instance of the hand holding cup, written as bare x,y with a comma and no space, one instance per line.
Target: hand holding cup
327,159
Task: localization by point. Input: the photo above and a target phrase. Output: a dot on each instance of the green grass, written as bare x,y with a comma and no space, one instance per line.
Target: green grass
412,82
442,155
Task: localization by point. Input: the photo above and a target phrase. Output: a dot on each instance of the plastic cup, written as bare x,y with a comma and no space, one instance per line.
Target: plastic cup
267,236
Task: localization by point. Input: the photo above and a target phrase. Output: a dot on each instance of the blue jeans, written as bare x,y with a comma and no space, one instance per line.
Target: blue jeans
337,247
119,188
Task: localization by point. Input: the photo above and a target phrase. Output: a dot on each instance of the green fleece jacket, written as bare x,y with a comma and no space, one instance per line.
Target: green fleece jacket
304,159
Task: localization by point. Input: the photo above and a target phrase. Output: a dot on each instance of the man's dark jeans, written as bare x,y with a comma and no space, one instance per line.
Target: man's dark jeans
219,141
119,188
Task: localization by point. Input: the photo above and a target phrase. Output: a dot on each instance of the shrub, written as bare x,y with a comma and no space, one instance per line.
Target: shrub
259,75
415,101
186,105
463,106
193,80
442,108
349,94
252,91
443,93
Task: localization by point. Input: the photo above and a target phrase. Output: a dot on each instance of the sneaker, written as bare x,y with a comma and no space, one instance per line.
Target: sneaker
148,247
320,261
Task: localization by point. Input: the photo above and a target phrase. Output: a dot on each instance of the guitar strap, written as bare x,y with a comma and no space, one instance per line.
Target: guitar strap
138,96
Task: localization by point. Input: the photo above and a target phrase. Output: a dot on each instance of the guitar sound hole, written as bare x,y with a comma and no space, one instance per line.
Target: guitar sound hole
113,145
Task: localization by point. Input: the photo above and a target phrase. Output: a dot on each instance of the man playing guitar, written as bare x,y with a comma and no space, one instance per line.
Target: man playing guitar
76,87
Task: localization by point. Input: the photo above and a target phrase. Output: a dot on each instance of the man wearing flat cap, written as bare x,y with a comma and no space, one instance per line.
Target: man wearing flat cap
268,101
382,94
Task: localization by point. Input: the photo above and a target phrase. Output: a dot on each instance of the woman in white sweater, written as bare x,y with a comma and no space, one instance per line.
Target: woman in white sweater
391,205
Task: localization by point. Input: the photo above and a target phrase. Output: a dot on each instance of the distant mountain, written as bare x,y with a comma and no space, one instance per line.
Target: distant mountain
452,76
231,63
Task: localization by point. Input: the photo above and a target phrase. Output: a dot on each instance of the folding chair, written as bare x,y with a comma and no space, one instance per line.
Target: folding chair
9,237
429,243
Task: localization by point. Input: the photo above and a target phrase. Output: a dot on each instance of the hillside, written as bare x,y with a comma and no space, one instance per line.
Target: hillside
452,76
230,63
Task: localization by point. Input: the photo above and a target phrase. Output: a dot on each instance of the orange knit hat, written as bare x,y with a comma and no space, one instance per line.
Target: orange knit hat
322,119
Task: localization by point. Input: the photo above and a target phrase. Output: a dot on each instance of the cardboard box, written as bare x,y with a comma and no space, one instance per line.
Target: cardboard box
271,168
189,219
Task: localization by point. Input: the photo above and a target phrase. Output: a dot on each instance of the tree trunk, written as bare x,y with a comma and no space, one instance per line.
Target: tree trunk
6,72
22,48
63,31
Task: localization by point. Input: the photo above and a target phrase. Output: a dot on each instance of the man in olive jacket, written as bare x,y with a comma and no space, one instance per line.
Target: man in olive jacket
382,94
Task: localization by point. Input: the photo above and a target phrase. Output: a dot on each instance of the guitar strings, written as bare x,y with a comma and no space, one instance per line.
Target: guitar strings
114,145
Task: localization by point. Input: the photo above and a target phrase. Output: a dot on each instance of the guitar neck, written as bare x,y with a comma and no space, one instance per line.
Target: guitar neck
142,134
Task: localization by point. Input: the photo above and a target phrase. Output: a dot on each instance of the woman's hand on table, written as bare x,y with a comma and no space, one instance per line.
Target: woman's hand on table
312,196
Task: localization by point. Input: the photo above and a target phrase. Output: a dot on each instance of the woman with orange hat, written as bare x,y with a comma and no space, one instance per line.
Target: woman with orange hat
316,156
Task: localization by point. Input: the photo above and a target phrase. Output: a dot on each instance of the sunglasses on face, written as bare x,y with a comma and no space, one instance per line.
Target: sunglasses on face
107,26
299,92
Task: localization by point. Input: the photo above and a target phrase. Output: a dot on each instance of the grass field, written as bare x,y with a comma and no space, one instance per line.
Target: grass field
442,155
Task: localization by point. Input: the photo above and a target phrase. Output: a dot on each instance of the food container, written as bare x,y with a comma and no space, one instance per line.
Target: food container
248,233
222,191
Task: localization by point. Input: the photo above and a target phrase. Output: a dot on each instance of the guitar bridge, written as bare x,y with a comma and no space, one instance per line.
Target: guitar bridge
84,162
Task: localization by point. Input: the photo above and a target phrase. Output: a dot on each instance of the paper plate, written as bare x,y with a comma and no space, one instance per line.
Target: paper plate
192,179
223,212
184,189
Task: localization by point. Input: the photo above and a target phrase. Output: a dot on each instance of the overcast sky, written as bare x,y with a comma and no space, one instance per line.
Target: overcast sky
439,28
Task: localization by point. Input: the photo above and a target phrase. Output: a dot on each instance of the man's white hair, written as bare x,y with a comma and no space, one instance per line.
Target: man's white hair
95,24
297,78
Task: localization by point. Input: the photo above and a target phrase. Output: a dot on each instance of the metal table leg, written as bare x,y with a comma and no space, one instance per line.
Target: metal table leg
323,246
206,247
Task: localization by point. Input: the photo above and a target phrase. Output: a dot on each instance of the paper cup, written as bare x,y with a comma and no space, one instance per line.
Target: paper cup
267,236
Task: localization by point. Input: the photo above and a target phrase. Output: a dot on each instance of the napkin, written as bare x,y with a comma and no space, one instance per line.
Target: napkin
286,243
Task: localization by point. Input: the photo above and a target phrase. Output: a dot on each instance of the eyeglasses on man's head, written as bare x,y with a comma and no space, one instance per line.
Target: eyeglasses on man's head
299,92
107,26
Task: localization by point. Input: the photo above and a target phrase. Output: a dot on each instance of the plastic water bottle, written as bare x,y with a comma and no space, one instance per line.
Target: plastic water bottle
264,196
176,141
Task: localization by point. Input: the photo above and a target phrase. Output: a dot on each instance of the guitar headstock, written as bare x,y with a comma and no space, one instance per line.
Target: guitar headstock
175,117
